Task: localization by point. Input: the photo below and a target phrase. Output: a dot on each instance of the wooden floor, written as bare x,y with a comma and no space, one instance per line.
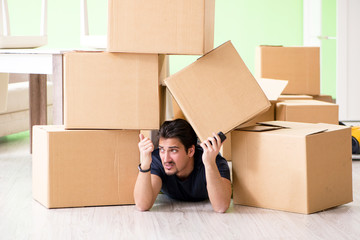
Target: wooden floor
23,218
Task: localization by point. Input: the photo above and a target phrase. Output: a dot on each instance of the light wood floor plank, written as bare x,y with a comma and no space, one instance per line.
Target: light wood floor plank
23,218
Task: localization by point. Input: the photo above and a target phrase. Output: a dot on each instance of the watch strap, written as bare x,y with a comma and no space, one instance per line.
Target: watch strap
144,171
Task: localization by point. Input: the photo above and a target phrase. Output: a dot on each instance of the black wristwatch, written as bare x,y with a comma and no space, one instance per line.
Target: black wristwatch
141,170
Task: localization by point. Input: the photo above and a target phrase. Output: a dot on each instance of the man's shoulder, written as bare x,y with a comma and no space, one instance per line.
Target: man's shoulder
155,152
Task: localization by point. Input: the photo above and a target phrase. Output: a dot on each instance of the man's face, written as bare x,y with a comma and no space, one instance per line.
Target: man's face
174,158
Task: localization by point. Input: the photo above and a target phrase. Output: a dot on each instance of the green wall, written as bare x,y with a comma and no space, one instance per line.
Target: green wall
246,23
251,23
24,17
328,48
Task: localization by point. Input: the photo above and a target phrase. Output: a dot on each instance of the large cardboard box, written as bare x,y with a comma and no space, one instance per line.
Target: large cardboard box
295,167
170,27
76,168
299,65
217,92
111,91
308,111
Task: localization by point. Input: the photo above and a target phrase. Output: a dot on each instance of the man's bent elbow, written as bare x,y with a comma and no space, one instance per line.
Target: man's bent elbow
221,209
142,207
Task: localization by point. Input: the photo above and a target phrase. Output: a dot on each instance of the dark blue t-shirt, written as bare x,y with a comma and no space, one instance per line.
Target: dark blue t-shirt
194,187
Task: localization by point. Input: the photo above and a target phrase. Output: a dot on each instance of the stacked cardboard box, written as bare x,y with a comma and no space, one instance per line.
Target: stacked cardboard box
301,67
171,27
76,168
308,111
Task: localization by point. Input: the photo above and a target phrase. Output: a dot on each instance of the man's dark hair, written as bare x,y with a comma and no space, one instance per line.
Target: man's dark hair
181,129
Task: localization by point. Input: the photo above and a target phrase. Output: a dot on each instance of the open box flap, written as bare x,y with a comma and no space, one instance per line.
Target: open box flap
288,128
259,128
272,87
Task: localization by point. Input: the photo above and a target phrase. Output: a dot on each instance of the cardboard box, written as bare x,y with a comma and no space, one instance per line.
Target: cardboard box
111,91
295,167
324,98
308,111
299,65
76,168
294,97
169,27
4,80
217,92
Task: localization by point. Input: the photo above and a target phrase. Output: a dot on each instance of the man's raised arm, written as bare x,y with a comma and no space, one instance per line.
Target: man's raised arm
147,185
219,188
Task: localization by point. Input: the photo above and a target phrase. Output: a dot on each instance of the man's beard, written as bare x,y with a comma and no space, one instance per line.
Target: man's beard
173,167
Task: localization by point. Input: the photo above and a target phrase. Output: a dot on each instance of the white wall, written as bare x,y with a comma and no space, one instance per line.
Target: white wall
348,59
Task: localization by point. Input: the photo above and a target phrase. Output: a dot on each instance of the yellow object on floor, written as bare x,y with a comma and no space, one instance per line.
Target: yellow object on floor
355,133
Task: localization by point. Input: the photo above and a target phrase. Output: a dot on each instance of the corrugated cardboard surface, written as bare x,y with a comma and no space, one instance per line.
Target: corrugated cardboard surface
308,111
75,168
217,92
111,91
4,80
299,65
302,168
172,27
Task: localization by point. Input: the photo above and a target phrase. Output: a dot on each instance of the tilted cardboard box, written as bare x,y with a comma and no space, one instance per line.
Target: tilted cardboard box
76,168
308,111
299,65
217,92
111,91
170,27
295,167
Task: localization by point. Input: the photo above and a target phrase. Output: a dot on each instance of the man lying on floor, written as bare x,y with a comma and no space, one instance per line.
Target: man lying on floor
182,169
